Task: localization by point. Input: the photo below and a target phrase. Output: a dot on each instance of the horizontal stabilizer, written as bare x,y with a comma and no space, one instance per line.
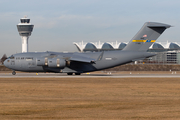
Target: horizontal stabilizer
154,24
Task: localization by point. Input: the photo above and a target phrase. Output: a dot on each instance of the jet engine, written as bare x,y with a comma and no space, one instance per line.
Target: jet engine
51,62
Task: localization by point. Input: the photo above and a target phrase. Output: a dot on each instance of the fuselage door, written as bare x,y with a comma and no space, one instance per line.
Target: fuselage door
30,62
12,62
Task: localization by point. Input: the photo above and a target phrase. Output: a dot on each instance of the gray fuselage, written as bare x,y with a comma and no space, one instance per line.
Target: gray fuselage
28,61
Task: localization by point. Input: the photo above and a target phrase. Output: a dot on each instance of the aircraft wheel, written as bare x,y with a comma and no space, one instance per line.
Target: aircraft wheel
69,73
77,73
14,73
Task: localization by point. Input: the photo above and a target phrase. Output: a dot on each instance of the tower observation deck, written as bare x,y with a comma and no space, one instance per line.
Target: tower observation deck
25,28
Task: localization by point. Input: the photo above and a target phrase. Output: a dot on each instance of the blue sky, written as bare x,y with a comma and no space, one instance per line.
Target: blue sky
59,23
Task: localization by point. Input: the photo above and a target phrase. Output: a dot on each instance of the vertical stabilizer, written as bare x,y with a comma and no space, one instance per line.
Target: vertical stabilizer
147,35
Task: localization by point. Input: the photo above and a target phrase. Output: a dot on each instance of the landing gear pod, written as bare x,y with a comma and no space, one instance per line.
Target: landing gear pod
56,63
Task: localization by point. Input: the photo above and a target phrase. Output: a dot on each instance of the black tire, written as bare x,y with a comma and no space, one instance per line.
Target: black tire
69,73
77,73
13,73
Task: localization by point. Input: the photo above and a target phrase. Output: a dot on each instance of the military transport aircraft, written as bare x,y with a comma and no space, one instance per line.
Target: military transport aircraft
88,61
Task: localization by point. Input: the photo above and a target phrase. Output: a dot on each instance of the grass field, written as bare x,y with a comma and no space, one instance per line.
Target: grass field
90,99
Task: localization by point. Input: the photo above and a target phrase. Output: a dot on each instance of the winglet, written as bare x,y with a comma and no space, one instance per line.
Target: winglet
100,57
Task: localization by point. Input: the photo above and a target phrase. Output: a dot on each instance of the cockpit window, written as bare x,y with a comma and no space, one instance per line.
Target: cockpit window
11,57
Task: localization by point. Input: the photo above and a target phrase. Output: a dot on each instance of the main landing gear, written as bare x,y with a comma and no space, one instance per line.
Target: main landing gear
14,73
69,73
77,73
72,73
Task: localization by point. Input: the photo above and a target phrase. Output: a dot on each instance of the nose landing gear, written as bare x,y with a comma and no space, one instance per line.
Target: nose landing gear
14,73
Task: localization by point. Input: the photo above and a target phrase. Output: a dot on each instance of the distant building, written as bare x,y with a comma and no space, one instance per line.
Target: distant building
167,53
99,46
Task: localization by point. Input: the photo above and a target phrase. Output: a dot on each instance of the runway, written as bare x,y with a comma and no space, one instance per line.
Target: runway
93,96
92,75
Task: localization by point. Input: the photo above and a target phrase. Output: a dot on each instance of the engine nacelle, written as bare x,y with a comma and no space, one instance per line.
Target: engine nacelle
56,63
51,62
42,61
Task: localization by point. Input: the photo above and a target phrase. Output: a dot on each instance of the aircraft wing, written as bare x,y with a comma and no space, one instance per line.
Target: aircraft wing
79,57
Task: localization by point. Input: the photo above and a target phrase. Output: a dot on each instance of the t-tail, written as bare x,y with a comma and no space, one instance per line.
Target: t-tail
147,35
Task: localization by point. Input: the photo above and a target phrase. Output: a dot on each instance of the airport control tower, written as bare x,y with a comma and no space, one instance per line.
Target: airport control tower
25,28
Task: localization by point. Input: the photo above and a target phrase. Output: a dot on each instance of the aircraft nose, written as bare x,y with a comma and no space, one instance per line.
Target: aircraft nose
6,62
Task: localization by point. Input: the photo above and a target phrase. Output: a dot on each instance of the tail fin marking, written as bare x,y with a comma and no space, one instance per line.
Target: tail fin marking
147,35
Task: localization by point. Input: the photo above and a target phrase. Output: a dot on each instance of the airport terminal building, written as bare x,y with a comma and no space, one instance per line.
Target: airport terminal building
167,53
